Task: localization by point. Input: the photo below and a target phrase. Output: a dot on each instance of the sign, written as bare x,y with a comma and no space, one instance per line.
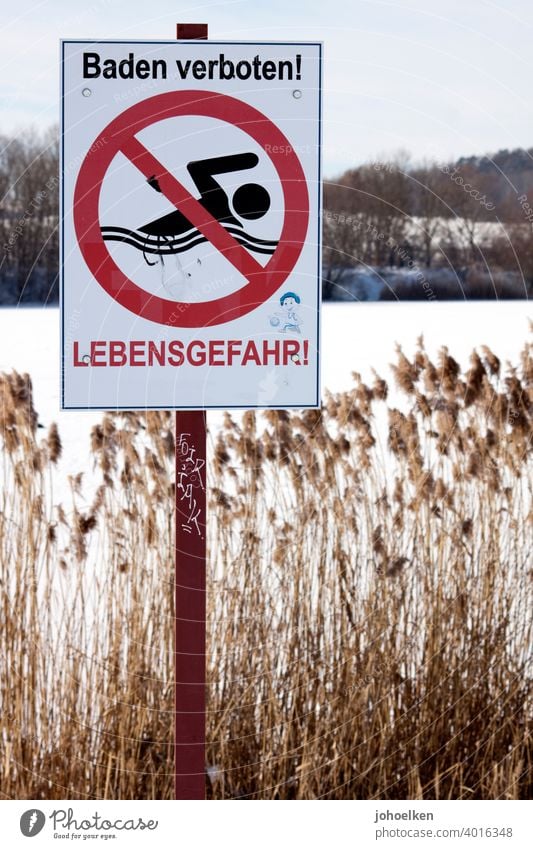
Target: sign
190,250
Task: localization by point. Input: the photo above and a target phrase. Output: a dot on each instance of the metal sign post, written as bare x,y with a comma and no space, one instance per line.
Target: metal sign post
190,645
190,580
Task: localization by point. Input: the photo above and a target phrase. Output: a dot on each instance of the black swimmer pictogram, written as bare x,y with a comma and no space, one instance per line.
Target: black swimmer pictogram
173,233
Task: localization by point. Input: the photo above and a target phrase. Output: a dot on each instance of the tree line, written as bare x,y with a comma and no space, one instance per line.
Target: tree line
29,214
473,217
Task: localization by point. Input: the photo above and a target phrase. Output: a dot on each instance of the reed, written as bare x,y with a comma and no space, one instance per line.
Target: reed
369,596
371,590
86,693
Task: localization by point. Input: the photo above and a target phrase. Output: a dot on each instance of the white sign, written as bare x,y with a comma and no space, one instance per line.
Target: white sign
191,194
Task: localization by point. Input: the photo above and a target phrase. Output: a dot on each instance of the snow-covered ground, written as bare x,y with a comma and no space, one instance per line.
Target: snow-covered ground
358,337
355,337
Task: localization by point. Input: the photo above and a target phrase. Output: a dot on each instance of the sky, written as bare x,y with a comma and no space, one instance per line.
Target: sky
437,78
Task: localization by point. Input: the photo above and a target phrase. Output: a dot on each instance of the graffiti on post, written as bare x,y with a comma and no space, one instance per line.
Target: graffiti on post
189,479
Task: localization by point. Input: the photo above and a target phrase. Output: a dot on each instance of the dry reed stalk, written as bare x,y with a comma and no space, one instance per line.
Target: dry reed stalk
369,607
86,702
370,604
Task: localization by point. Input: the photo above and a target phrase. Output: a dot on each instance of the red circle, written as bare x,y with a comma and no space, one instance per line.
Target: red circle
87,196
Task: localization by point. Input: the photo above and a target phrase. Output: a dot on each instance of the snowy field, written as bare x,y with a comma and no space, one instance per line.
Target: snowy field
355,337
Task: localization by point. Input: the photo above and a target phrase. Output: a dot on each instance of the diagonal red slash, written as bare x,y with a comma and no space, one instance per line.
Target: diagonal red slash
182,199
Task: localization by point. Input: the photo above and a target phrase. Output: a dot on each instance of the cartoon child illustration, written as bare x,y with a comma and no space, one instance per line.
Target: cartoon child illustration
290,320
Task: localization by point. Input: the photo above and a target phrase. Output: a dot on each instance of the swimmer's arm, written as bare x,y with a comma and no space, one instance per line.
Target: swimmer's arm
202,170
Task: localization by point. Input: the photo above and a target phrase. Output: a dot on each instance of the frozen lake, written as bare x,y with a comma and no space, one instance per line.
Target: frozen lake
355,337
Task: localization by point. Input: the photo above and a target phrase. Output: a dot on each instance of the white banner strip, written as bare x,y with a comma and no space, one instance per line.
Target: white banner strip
308,824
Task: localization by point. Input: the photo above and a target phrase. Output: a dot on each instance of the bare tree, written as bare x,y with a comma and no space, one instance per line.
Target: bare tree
428,209
29,204
467,192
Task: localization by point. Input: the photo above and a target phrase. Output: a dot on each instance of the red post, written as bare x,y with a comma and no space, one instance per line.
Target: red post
190,637
191,31
190,604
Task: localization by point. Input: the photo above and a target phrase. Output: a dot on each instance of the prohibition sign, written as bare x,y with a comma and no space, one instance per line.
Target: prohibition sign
119,137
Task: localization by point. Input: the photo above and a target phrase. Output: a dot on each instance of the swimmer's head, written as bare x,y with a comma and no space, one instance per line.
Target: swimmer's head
251,201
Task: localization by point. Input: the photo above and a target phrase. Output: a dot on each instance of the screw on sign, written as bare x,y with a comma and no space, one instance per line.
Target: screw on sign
200,214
